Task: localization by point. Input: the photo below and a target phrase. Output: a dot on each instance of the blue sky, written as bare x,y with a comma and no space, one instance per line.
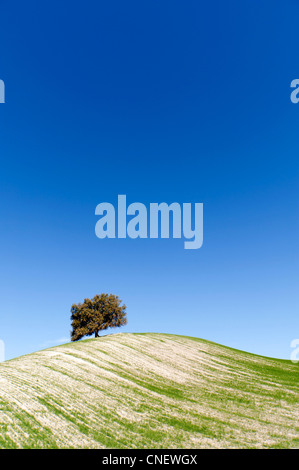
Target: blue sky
162,101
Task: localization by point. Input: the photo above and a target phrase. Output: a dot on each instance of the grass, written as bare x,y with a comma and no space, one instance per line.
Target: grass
148,391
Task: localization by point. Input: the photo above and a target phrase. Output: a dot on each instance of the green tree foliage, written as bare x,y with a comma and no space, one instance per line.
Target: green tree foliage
97,314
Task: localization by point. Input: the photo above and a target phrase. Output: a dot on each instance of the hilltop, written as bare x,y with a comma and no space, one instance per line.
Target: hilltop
148,391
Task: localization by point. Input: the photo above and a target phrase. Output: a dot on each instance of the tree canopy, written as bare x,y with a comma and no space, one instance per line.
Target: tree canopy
94,315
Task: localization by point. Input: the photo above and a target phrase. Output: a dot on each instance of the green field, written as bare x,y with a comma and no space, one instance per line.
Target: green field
148,391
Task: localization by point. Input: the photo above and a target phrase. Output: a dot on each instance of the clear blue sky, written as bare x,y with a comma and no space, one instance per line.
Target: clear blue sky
161,101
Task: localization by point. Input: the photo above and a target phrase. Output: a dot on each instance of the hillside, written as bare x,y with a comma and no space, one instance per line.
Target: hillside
148,391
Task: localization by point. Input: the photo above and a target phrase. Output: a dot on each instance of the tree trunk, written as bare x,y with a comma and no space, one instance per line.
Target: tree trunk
96,335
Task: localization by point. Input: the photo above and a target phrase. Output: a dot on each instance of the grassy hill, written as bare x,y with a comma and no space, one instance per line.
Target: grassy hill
148,391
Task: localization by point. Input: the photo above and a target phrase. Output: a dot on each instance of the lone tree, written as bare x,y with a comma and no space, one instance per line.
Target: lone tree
97,314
